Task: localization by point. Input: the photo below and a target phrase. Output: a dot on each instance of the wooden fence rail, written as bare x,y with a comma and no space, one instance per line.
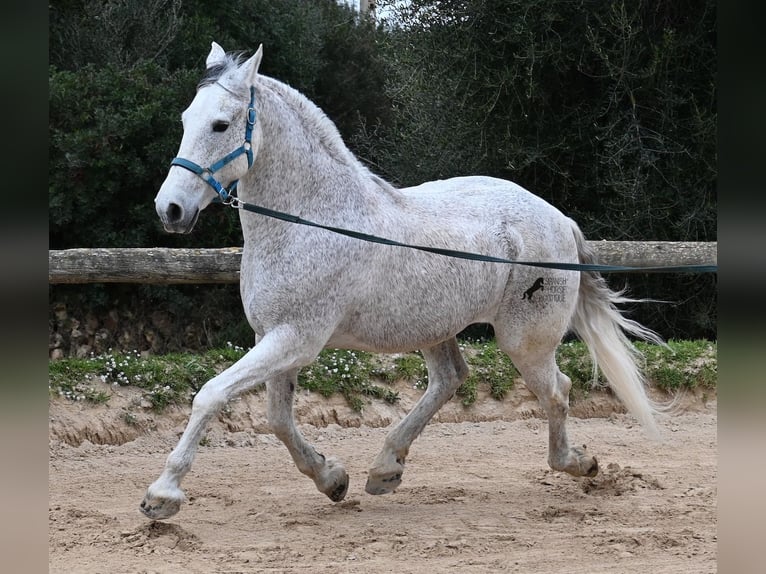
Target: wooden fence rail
162,265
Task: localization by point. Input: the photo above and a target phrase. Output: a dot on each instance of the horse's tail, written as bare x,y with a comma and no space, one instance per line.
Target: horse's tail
605,330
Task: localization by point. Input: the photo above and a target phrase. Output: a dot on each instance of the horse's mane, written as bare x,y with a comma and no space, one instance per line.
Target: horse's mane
314,118
323,127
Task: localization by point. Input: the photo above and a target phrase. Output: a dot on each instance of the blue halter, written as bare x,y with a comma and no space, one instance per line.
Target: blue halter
225,194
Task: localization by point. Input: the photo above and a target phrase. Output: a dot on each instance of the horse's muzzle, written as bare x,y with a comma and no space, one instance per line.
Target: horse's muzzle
177,220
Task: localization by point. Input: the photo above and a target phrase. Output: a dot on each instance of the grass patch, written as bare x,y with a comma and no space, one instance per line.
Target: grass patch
407,366
358,376
73,379
164,379
349,373
489,367
686,365
681,365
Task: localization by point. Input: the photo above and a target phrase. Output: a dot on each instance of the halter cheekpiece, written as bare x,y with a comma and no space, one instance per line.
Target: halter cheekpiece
226,194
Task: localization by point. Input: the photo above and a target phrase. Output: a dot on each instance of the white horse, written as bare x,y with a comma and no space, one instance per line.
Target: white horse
304,289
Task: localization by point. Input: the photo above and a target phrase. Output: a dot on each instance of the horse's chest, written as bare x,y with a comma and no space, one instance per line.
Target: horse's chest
288,290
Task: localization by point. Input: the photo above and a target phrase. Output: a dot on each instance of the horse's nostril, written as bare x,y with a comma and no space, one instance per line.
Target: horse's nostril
174,212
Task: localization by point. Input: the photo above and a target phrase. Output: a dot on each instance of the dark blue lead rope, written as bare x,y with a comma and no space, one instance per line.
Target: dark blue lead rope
704,268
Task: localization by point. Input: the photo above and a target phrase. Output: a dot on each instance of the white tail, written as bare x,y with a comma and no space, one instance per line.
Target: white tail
605,330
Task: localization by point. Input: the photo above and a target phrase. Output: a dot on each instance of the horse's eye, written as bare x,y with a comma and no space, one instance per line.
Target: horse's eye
220,126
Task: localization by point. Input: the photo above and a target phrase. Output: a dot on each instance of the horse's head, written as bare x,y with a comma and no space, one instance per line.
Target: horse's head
219,143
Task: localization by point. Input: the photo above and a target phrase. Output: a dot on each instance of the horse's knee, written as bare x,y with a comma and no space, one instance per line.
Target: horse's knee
460,367
552,393
560,393
208,400
564,383
461,373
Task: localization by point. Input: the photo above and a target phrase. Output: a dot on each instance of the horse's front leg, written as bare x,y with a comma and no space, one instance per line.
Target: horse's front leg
446,372
276,353
327,473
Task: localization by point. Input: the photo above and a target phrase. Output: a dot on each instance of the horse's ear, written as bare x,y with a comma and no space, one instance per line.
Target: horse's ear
251,66
216,56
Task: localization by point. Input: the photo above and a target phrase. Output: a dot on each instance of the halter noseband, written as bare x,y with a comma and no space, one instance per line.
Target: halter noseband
225,194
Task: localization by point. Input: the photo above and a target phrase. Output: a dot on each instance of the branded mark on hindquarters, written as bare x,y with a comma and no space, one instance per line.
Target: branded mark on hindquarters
536,286
553,289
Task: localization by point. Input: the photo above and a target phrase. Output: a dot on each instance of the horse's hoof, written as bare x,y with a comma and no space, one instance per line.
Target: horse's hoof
578,463
383,483
339,492
592,470
157,507
335,481
585,465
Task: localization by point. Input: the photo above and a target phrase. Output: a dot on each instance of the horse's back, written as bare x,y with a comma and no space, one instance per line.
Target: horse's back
466,186
529,224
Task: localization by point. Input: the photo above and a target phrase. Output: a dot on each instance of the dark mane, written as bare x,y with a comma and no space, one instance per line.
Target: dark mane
214,73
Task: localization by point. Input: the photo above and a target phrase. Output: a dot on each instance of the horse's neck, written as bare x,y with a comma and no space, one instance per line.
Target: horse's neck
303,163
318,127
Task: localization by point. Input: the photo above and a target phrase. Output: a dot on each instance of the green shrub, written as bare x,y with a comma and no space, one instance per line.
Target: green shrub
488,367
113,132
175,378
345,372
685,365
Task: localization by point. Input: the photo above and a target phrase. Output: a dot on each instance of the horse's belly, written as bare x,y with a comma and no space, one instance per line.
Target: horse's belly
406,314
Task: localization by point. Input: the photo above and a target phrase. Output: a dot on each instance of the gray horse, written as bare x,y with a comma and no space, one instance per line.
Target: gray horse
305,289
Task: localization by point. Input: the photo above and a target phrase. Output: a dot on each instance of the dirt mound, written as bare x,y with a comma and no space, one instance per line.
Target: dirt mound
125,416
615,481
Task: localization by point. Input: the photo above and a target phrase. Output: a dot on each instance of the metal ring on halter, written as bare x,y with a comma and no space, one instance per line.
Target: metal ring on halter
232,201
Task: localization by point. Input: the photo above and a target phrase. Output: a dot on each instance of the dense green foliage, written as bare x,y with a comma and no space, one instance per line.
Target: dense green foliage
607,109
112,130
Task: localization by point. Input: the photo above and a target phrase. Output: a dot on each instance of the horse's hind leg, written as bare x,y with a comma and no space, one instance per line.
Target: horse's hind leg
327,473
543,377
446,371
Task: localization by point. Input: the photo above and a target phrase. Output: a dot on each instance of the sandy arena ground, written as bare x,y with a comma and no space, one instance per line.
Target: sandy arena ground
477,494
